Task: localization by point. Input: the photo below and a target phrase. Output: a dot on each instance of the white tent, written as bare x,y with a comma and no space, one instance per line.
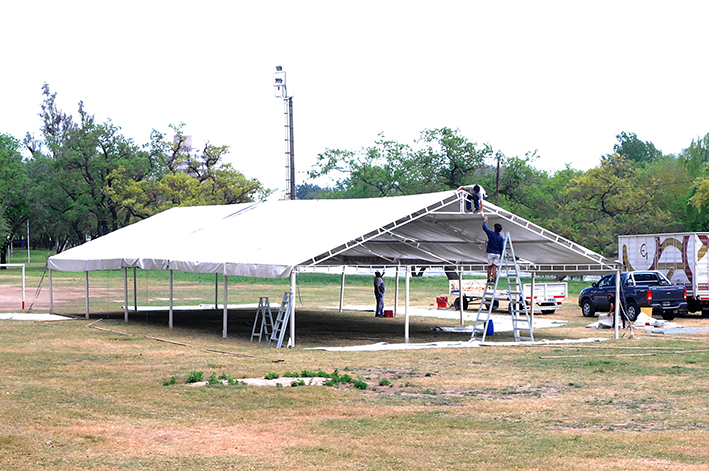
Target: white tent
276,239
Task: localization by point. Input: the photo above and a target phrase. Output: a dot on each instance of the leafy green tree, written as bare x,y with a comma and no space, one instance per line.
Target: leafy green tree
182,176
634,149
14,185
614,198
75,173
441,159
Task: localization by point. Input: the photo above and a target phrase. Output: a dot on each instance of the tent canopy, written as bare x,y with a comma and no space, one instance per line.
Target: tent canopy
271,239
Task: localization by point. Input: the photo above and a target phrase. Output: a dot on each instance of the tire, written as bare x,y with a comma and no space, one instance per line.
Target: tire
495,305
632,310
587,308
456,303
548,311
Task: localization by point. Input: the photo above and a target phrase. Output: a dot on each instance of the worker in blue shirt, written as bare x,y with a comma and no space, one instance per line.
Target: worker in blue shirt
495,241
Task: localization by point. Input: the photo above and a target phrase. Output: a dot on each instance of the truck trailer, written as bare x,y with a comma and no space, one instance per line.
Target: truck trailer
683,257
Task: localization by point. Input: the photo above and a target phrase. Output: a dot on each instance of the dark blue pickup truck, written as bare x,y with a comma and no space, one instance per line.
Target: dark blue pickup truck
639,289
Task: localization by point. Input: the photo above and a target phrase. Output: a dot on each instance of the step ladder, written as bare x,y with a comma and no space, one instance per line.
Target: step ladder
264,320
280,324
521,319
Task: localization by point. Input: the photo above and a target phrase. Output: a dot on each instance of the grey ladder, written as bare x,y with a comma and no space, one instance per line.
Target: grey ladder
521,319
263,321
281,322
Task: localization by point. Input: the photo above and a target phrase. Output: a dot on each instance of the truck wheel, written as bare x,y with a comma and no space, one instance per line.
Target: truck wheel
669,315
495,305
587,308
632,310
456,303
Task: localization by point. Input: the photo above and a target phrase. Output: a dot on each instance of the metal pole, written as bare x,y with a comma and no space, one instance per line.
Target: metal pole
226,303
125,293
342,289
292,151
51,293
23,287
169,322
406,305
135,290
87,293
216,292
292,302
460,294
28,241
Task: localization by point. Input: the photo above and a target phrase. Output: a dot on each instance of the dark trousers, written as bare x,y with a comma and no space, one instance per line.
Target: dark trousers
472,200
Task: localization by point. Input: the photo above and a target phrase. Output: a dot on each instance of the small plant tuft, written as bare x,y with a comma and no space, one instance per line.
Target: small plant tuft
195,377
170,381
272,376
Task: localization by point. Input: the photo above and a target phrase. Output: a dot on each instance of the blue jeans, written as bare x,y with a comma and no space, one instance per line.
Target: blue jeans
380,306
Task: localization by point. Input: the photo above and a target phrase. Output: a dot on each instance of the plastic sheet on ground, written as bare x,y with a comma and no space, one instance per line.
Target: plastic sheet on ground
375,347
25,316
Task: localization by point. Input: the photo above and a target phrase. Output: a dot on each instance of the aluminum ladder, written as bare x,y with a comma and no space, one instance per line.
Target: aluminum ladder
263,321
521,319
280,324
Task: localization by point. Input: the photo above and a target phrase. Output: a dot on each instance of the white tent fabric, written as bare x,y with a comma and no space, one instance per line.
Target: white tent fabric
271,239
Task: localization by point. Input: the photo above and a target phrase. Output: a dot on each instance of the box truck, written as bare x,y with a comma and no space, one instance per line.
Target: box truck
683,257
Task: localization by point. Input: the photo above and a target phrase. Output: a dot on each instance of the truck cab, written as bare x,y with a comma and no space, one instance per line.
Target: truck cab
638,289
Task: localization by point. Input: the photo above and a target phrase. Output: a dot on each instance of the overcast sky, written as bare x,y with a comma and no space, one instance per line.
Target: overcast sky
560,77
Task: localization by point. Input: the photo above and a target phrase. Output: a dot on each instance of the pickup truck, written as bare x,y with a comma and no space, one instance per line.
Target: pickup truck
638,289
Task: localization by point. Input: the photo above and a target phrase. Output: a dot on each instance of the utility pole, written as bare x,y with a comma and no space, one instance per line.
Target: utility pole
279,82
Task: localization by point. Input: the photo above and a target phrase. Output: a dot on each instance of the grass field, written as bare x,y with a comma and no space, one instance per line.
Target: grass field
75,397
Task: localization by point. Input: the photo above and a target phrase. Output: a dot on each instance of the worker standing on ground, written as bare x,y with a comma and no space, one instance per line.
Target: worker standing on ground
495,241
379,293
477,195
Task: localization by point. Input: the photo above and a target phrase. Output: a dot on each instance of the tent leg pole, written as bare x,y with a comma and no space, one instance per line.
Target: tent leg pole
216,291
51,293
406,304
531,297
125,293
292,314
169,322
226,302
461,294
135,290
87,293
342,289
396,292
616,314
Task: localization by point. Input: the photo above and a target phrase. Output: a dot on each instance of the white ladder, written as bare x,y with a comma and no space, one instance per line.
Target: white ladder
281,322
521,319
264,320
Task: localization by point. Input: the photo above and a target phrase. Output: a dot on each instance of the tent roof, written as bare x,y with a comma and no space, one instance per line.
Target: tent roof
270,239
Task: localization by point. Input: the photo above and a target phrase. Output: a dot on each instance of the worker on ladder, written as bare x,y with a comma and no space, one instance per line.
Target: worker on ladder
495,241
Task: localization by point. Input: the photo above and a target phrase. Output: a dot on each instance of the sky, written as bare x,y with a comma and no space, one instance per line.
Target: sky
562,78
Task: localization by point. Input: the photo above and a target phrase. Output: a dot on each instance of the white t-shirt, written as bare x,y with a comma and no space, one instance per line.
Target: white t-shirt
483,195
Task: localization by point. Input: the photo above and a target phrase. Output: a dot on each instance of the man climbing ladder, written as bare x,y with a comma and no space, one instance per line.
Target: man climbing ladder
522,322
495,241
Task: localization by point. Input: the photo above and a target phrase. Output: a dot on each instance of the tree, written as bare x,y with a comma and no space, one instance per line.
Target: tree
182,176
441,159
634,149
14,185
615,198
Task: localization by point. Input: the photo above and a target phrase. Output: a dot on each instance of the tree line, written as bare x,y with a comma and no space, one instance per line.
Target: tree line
635,188
84,179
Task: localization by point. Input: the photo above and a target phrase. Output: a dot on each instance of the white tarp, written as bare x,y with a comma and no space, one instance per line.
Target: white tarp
270,239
